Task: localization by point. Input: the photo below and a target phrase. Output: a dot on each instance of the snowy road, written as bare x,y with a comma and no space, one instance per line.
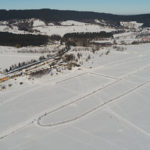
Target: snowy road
106,107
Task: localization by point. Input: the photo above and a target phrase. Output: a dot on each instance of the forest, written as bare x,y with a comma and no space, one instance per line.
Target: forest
20,40
88,35
84,39
51,15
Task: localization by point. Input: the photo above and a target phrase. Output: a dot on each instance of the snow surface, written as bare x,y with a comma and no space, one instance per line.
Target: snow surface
12,29
71,27
131,24
10,56
68,26
126,38
73,23
102,108
38,23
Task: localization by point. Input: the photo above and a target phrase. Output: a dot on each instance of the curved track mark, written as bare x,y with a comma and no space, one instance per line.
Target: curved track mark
89,111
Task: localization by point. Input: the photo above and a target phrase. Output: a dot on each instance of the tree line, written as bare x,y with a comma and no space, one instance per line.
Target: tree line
20,40
88,35
50,15
84,39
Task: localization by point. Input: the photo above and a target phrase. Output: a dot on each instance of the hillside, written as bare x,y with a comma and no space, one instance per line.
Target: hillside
50,15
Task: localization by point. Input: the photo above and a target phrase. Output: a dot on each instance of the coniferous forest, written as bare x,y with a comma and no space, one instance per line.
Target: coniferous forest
20,40
51,15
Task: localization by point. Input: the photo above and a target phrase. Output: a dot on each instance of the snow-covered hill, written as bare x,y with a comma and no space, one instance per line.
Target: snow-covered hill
39,27
131,25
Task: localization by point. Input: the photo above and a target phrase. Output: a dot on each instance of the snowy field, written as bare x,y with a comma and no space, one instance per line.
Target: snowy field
103,108
69,26
6,60
12,55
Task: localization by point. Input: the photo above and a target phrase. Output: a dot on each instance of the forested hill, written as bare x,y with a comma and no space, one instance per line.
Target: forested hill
50,15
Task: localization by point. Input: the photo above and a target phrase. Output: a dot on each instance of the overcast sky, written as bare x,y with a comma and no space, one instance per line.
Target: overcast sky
107,6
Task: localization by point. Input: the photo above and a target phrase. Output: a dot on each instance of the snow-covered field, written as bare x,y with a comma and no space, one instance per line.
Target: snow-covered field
12,58
69,26
102,106
6,60
12,55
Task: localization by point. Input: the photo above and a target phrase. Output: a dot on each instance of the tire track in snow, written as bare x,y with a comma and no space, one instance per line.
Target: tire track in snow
36,87
93,92
15,129
111,101
128,122
12,131
18,127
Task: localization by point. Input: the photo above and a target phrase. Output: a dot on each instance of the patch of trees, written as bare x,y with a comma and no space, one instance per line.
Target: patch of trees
68,58
25,26
19,65
89,35
55,37
39,73
83,39
20,40
118,31
140,42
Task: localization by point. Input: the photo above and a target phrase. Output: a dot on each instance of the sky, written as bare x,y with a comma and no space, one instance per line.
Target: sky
107,6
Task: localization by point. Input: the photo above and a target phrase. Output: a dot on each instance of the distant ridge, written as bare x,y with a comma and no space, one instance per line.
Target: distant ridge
52,15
